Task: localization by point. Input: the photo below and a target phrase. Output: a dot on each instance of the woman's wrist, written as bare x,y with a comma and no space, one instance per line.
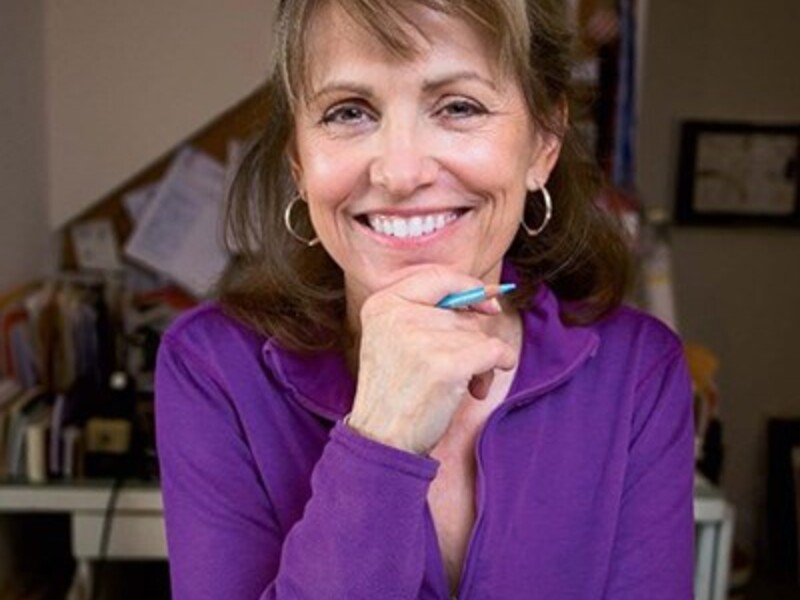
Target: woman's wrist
355,425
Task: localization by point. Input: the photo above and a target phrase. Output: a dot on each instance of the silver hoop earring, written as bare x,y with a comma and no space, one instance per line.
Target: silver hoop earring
287,220
548,214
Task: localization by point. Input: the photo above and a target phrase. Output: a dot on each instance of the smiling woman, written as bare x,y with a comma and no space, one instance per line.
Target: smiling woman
328,430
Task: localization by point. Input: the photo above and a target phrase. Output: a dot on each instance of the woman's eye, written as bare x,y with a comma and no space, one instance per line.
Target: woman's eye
460,109
345,114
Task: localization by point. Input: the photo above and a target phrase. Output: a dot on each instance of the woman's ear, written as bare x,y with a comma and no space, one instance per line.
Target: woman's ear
295,167
547,149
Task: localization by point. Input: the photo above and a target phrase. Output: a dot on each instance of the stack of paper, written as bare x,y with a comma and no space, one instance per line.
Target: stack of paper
179,230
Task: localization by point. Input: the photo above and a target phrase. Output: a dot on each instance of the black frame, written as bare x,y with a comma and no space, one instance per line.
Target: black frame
687,211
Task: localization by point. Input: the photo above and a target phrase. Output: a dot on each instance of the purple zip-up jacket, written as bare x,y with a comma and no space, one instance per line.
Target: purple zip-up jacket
584,472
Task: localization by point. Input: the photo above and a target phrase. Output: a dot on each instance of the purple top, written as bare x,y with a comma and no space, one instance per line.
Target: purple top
584,472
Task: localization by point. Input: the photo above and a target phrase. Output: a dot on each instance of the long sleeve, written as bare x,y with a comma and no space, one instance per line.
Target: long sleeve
653,549
361,534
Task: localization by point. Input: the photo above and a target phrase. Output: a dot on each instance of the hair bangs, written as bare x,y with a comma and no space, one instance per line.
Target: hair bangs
503,24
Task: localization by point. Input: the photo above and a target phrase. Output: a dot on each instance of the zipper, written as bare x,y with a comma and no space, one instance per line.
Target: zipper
513,402
480,485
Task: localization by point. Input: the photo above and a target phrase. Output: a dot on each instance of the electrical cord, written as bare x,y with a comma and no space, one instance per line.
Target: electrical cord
105,535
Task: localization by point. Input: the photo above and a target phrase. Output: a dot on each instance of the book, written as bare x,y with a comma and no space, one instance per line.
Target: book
73,452
9,404
27,409
54,445
36,445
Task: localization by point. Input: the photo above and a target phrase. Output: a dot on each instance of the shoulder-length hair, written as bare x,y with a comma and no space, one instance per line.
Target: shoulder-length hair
295,293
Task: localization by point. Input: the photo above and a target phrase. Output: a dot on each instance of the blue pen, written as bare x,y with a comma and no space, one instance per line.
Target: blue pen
473,296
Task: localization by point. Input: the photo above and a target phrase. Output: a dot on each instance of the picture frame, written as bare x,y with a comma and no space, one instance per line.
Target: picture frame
733,173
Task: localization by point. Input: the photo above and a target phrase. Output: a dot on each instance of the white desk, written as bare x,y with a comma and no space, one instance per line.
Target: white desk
714,519
137,529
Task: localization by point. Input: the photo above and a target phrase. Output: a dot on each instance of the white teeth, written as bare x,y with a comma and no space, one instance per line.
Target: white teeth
410,228
415,227
400,228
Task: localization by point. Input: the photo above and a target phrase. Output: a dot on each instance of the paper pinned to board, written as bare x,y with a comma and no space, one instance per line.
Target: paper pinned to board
95,244
137,201
180,231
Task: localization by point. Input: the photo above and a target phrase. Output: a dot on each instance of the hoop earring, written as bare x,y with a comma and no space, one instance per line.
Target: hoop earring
287,221
548,214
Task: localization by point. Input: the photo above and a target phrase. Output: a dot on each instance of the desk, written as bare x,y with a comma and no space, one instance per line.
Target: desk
137,530
713,518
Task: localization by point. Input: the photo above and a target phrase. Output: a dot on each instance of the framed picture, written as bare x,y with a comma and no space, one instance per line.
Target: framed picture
739,173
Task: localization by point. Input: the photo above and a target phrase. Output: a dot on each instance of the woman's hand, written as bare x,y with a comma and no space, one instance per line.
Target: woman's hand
418,362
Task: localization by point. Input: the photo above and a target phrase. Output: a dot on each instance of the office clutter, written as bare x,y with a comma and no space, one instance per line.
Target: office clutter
77,359
77,350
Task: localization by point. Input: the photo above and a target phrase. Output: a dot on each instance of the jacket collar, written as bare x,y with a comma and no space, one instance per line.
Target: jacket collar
551,353
551,350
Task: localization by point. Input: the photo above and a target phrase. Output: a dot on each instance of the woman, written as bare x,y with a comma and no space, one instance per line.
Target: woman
327,431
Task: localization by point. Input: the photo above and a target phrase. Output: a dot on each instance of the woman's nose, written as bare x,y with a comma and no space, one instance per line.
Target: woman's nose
402,163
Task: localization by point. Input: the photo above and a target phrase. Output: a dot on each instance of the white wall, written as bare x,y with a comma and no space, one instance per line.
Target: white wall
23,223
23,228
128,80
738,290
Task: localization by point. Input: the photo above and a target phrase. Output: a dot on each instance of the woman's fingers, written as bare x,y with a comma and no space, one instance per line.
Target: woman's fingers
487,307
427,285
418,362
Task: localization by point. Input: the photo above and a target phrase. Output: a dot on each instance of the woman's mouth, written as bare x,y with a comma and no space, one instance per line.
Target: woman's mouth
410,227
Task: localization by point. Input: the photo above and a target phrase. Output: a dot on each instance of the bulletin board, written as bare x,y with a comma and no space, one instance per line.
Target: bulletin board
240,122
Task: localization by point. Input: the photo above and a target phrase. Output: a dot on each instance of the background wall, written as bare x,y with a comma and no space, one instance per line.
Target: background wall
23,225
23,222
125,81
738,290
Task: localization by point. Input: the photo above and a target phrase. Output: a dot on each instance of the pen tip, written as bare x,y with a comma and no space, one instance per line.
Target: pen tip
505,288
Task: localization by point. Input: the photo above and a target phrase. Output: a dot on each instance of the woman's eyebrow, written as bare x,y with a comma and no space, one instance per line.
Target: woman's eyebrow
450,78
342,86
428,85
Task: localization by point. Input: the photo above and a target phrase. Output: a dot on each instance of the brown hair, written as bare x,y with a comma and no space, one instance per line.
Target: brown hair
295,293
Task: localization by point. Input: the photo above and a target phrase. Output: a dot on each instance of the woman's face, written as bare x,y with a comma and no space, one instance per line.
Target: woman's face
411,162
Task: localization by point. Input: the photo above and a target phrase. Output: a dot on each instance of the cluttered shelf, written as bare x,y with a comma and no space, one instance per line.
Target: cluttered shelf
77,349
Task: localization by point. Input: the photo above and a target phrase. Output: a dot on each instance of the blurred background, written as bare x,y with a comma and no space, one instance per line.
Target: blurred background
116,116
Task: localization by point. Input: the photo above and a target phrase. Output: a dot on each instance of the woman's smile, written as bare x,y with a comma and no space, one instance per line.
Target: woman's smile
410,229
